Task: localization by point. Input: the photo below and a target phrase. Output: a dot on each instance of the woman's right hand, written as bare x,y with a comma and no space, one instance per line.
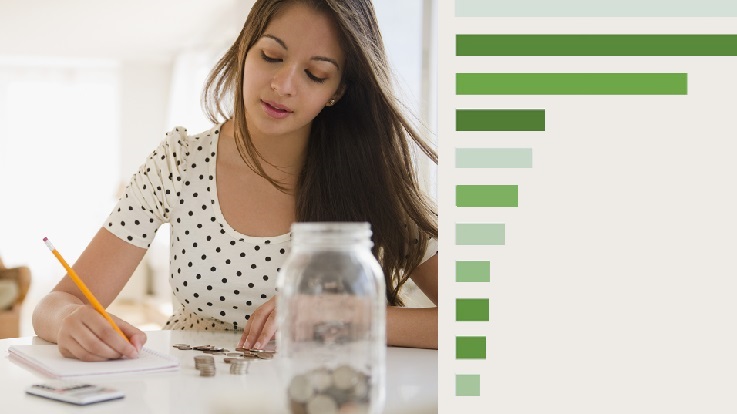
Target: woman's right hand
86,335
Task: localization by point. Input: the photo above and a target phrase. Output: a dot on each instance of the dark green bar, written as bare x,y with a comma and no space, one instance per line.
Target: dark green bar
473,271
486,196
596,45
472,310
500,120
571,83
470,347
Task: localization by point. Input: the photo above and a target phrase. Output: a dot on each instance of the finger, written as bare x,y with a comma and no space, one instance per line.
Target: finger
267,332
256,323
70,348
107,336
81,329
136,337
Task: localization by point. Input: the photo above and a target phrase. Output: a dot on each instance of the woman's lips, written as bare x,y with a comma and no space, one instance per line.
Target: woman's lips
275,110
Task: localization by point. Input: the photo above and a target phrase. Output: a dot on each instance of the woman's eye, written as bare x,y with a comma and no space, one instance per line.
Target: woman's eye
313,77
267,58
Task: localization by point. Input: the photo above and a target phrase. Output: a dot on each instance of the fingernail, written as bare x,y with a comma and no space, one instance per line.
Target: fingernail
257,345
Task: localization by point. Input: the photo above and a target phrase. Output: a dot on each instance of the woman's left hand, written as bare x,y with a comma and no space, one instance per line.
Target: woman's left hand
261,326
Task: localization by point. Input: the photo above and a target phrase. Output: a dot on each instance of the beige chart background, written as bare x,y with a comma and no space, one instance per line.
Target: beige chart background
615,291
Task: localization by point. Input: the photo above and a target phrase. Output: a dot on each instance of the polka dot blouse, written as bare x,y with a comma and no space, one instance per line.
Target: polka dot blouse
218,275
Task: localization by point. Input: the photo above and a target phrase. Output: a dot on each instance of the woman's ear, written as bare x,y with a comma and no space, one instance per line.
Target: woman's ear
338,94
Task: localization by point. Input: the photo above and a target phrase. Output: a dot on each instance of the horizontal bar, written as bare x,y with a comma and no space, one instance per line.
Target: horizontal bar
473,271
468,385
479,234
493,158
596,45
571,83
472,310
578,8
470,347
487,195
500,120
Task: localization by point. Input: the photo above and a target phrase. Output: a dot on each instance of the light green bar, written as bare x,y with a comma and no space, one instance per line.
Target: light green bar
468,385
479,234
571,83
493,158
588,8
473,271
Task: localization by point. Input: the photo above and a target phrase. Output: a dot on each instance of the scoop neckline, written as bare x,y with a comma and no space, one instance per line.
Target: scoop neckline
215,132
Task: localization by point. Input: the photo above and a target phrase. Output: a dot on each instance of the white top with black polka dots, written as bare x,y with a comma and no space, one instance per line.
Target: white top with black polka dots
219,275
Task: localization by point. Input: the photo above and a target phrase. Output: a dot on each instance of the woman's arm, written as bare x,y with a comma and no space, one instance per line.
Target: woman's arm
416,327
65,317
410,327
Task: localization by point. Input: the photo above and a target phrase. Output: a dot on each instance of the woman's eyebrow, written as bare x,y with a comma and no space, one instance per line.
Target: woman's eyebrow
277,40
320,58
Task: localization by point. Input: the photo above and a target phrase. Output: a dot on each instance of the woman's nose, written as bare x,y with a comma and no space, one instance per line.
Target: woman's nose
283,82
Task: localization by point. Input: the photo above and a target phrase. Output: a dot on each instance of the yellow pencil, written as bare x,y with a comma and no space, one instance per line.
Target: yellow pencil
85,291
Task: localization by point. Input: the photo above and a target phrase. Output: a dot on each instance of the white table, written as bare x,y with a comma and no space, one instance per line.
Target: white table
412,383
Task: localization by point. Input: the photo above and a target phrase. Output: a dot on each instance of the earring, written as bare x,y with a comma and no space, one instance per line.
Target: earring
331,102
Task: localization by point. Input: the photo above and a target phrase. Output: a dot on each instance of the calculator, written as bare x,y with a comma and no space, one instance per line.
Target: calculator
77,393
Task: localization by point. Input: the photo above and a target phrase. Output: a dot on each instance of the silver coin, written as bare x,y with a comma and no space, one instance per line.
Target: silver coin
300,389
345,377
321,404
321,379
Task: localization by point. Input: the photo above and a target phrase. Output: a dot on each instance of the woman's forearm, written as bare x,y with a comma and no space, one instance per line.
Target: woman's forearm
49,313
412,327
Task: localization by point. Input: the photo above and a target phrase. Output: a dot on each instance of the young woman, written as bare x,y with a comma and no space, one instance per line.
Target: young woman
313,132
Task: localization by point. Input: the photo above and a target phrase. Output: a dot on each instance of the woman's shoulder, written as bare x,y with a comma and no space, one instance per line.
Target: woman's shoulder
179,147
179,136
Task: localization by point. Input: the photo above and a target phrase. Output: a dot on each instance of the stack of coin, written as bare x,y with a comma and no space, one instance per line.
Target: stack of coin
205,364
239,366
182,347
325,391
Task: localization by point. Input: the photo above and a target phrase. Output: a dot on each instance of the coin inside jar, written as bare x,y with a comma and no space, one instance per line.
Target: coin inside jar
321,404
345,377
300,389
321,379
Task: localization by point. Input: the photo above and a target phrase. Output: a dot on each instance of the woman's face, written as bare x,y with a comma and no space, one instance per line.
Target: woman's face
292,72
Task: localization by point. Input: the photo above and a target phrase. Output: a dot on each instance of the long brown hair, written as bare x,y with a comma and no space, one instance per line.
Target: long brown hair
359,160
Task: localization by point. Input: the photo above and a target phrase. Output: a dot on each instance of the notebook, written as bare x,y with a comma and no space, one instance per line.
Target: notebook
47,360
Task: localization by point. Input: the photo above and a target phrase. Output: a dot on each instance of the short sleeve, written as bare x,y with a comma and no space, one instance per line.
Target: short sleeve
431,250
151,192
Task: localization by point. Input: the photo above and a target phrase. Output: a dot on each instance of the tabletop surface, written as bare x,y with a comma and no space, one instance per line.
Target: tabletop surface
411,376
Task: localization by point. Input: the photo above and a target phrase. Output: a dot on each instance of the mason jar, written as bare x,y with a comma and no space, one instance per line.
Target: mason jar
331,315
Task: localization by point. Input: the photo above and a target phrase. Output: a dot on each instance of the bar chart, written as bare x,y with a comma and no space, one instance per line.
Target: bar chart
585,177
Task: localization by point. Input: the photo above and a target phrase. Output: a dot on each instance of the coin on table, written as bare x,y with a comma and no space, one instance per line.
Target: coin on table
182,346
239,366
200,360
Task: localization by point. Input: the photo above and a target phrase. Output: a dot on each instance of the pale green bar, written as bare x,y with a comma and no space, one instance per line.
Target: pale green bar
479,234
468,385
493,158
588,8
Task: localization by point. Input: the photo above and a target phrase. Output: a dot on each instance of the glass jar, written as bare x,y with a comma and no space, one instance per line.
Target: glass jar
331,315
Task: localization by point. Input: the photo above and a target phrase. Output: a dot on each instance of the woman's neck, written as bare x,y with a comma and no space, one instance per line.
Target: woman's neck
280,154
